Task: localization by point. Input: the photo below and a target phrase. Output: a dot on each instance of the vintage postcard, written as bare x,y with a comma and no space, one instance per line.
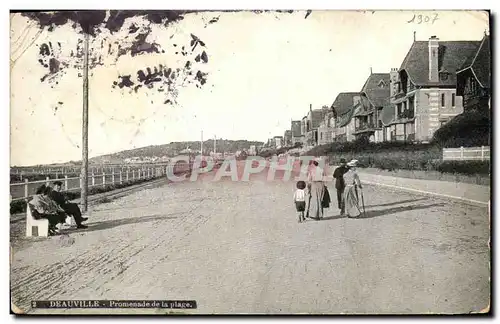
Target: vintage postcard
250,162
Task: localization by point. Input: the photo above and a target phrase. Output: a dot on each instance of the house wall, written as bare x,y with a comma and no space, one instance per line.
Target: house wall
387,130
350,130
341,131
297,139
379,135
303,126
429,111
324,135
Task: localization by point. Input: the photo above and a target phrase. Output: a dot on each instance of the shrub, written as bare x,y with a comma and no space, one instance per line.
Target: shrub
361,146
469,129
464,167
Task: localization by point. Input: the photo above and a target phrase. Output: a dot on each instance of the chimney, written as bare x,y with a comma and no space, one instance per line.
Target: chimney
393,79
414,36
371,70
310,107
433,59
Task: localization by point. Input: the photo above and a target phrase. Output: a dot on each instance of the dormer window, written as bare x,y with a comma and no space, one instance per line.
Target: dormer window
381,84
443,76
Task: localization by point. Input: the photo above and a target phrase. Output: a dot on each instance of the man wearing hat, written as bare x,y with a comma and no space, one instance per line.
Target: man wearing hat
71,209
338,174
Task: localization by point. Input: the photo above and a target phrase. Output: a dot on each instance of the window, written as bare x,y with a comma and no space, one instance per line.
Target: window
443,102
453,99
472,83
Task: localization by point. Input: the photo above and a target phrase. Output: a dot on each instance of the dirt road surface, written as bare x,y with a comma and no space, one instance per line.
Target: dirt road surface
236,247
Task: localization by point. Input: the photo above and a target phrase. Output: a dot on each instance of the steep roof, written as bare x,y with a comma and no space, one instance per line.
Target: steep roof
346,117
480,63
452,56
343,102
377,88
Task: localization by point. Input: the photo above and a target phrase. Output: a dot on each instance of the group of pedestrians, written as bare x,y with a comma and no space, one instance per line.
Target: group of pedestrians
51,204
313,197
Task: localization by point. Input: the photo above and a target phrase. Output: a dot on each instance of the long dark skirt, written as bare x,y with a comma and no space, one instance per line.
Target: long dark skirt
314,208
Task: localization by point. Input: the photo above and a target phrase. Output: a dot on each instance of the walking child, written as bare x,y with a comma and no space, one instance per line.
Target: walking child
299,198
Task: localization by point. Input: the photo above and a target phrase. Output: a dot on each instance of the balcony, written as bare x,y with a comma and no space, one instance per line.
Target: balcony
365,112
406,114
365,127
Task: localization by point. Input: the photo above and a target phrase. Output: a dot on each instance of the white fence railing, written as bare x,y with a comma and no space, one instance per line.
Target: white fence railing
26,189
467,153
61,171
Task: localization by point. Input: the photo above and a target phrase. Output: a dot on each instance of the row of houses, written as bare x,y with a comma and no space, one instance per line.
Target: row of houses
436,81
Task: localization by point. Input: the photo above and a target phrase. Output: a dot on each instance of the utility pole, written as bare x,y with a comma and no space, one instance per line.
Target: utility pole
85,126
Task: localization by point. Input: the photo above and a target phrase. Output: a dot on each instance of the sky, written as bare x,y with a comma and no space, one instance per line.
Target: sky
263,70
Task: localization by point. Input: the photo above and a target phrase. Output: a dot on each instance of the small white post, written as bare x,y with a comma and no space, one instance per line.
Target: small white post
66,183
47,181
81,181
461,152
482,153
103,178
93,178
121,177
133,175
126,176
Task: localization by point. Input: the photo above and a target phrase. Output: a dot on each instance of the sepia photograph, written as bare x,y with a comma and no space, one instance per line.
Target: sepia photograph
250,162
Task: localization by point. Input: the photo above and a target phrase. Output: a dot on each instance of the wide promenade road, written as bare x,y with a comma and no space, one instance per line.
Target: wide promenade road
236,247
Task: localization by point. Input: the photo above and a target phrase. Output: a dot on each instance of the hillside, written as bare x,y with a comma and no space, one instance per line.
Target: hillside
175,148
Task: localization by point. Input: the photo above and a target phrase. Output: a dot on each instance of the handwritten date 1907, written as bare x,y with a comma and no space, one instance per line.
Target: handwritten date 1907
419,19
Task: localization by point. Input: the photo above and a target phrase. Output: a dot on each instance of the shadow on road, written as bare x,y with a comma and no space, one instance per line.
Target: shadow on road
384,212
331,217
97,226
397,202
394,210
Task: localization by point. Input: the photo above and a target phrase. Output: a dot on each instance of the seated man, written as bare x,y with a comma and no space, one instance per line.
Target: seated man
71,209
42,206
